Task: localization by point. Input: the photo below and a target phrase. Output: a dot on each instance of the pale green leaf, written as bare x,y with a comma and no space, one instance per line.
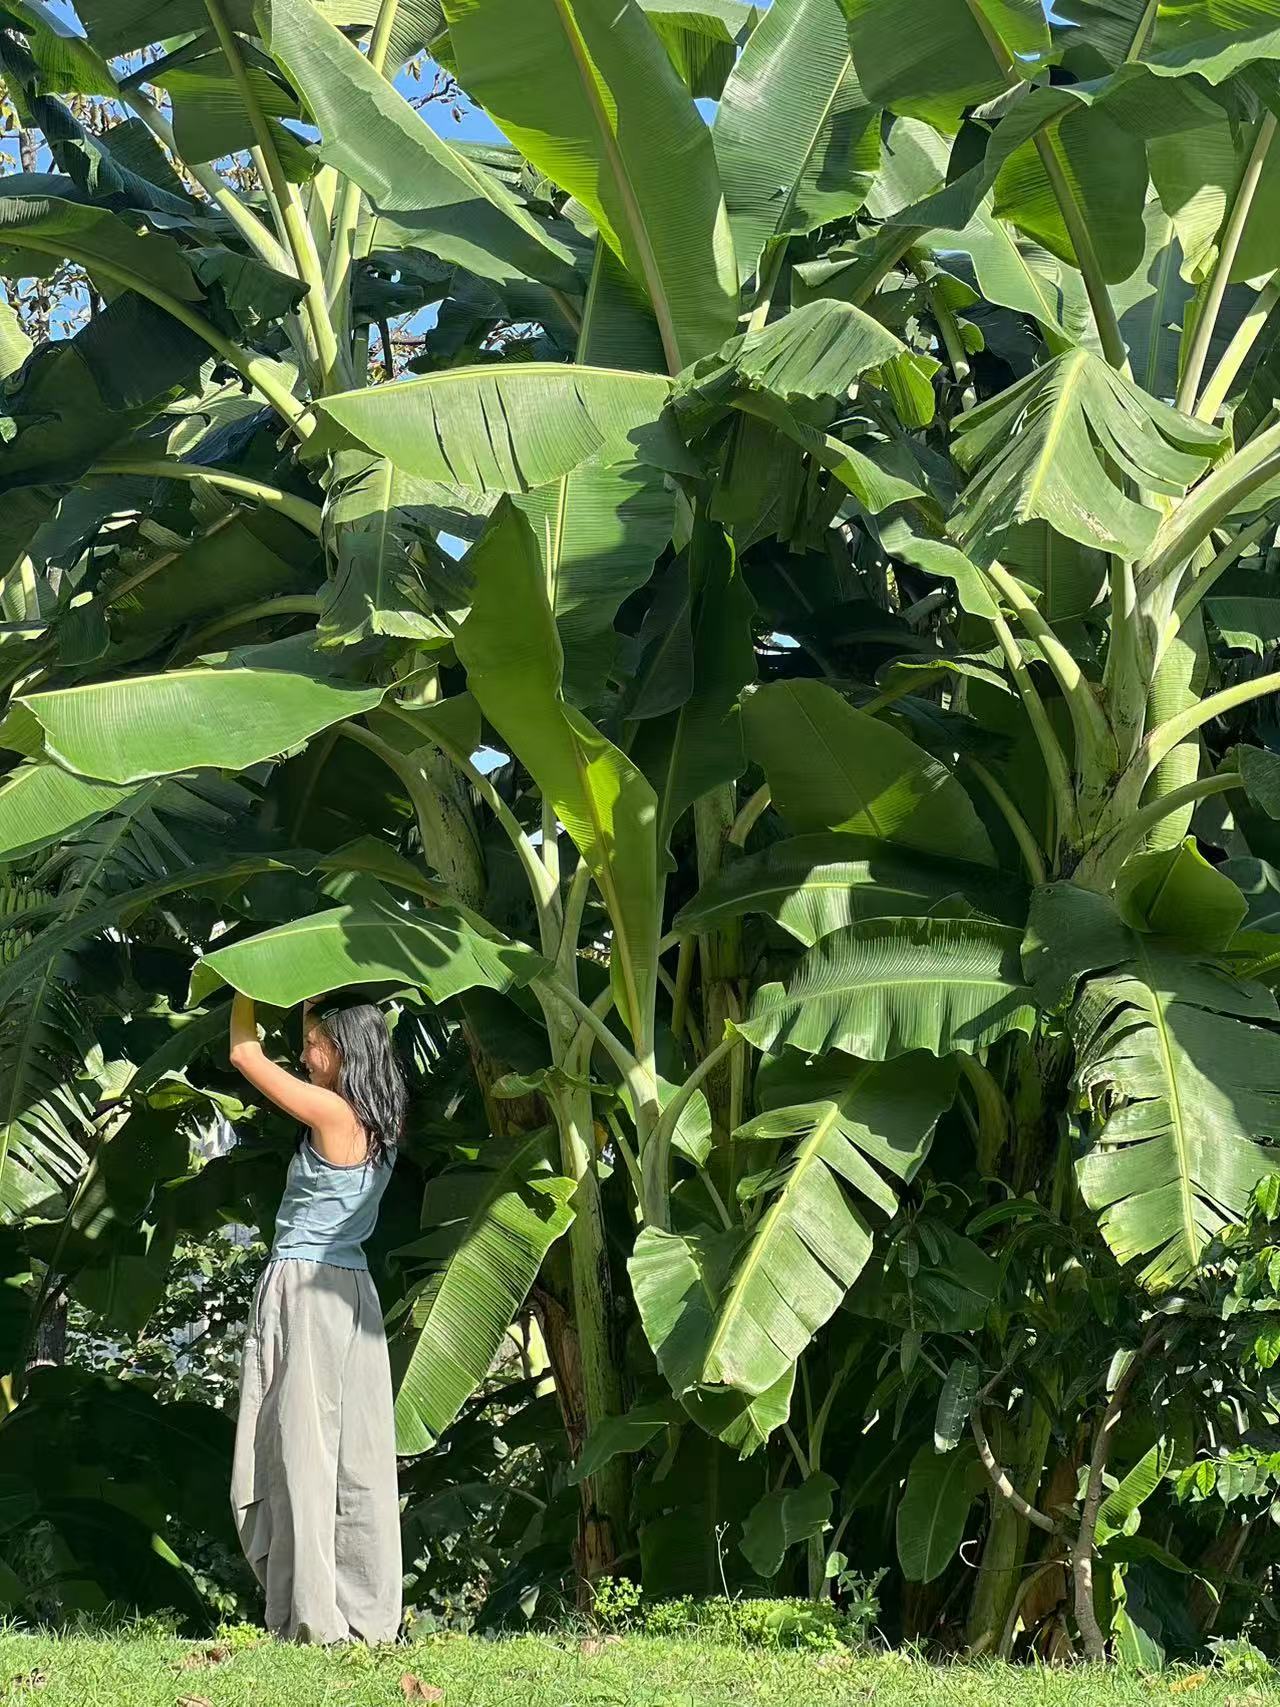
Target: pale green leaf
790,165
880,989
509,430
511,652
146,726
1061,445
585,89
816,884
491,1224
371,134
368,942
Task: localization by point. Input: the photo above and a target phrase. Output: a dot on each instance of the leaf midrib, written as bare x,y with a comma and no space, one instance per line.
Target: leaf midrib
1159,1022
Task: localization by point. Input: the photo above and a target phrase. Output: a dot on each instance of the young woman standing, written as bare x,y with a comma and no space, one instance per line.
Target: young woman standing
314,1480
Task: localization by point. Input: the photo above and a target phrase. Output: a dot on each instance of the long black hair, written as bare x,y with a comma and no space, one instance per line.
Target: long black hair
369,1076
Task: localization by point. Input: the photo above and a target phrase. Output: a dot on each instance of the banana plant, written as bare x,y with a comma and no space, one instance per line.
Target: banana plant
868,497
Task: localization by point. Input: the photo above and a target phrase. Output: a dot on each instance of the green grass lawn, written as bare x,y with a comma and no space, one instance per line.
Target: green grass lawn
538,1671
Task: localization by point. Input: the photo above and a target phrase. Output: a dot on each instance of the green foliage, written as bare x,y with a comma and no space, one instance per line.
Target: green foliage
815,837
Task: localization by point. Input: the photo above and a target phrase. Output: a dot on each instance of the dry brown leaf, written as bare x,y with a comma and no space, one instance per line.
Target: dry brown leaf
1181,1685
414,1689
194,1701
592,1645
1250,1698
29,1680
200,1659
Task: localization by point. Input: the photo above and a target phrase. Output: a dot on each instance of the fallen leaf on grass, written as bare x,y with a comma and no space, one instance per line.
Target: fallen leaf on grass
1181,1685
414,1689
200,1659
29,1680
1250,1698
194,1701
596,1645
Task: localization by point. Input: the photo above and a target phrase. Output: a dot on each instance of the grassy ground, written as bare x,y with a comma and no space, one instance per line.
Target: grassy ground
534,1671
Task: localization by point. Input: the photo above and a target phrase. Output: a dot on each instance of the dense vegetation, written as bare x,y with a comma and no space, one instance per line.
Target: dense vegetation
777,698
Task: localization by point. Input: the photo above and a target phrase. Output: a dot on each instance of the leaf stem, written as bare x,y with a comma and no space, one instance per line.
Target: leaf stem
1046,737
1233,357
1165,738
285,604
1235,548
544,899
1216,285
1094,739
297,231
1104,313
347,219
300,510
1032,856
1112,854
1209,504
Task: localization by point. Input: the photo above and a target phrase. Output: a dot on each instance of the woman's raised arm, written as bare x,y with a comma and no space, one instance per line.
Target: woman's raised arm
325,1112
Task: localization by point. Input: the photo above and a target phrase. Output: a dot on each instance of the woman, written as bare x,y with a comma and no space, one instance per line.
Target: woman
314,1481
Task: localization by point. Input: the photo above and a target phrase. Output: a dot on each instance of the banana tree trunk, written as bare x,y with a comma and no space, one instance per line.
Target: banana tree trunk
606,1495
719,954
588,1376
1005,1551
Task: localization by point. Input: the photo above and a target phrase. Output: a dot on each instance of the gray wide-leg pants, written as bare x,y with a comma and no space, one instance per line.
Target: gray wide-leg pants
314,1481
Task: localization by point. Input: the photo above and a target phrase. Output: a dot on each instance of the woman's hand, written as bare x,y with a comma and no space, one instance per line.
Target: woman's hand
244,1028
327,1114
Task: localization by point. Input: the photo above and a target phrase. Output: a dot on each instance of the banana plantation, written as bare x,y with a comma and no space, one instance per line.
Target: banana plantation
745,614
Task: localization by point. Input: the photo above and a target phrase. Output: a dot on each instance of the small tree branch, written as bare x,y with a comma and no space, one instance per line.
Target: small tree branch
1082,1553
1001,1481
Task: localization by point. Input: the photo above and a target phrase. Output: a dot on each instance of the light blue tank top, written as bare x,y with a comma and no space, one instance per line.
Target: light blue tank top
328,1211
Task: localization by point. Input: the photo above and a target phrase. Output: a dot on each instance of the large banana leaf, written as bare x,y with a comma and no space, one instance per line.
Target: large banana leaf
42,223
1212,37
678,1281
830,767
699,744
40,804
211,118
494,430
369,132
492,1223
44,1111
938,57
1017,273
585,89
941,1487
366,942
1177,1063
701,38
816,884
817,351
883,988
148,726
811,1241
600,529
789,165
1061,445
121,26
512,656
1184,1085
